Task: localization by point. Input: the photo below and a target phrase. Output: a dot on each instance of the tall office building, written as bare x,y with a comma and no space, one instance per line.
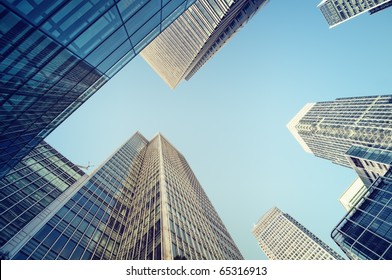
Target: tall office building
144,202
281,237
339,11
183,48
366,231
329,129
31,186
56,54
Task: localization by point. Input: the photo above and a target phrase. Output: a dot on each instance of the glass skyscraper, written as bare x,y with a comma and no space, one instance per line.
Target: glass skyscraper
281,237
329,129
144,202
56,54
366,231
183,48
338,11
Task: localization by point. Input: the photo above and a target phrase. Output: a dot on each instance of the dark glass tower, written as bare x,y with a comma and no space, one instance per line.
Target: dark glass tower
366,231
56,54
144,202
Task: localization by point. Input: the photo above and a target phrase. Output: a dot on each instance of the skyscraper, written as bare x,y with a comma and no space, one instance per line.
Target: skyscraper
366,231
144,202
56,54
281,237
329,129
338,11
183,48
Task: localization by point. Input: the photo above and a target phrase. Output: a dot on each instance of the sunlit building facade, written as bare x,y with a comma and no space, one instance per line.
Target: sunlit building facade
144,202
366,231
183,48
40,178
353,194
56,54
329,129
339,11
281,237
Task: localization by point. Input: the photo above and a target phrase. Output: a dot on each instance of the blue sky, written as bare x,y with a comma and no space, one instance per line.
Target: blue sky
229,120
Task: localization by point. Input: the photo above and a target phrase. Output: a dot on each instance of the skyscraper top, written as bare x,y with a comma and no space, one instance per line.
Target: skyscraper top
294,121
281,237
330,128
184,47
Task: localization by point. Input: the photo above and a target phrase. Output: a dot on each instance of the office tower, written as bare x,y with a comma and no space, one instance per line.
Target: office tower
281,237
338,11
353,194
144,202
56,54
183,48
329,129
32,185
366,230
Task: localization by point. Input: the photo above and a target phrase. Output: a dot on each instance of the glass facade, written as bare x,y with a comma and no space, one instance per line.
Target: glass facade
329,129
143,203
338,11
56,54
34,183
366,231
281,237
196,36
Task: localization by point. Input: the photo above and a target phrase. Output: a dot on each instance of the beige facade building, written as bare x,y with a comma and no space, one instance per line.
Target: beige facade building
190,41
329,129
281,237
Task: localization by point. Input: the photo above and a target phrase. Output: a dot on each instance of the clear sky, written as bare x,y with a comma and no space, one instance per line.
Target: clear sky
229,120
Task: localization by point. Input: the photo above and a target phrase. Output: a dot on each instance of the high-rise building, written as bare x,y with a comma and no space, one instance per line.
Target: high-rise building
366,231
329,129
183,48
31,186
353,194
143,202
56,54
339,11
281,237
